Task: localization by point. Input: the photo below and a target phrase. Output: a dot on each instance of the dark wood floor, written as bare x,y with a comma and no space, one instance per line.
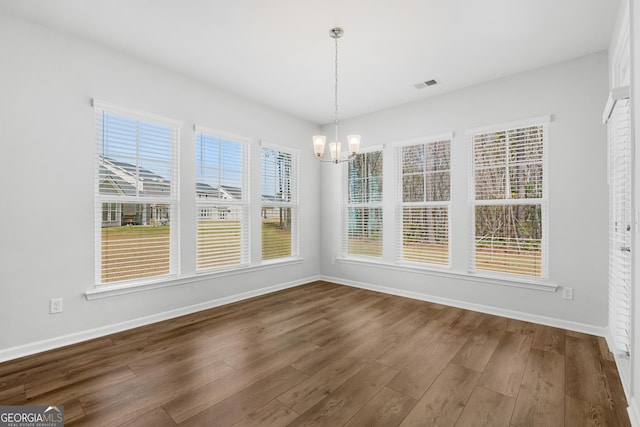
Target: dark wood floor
325,354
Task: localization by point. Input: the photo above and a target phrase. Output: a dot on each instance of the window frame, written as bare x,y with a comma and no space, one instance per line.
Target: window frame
344,244
172,201
243,205
543,201
401,204
293,204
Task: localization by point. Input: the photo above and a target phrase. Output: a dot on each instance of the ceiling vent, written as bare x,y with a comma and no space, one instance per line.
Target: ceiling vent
422,85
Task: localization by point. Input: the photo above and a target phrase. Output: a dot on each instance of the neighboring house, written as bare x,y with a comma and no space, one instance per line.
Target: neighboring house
124,179
216,195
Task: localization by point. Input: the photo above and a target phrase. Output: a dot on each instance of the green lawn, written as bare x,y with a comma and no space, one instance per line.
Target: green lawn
136,252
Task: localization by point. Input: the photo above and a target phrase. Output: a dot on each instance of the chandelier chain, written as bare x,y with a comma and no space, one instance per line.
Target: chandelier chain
335,121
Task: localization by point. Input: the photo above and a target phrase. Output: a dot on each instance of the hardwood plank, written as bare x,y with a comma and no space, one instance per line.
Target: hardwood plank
313,389
13,396
247,400
191,402
156,417
503,373
387,408
346,400
586,377
549,339
540,402
153,388
273,414
479,348
521,327
580,413
486,408
398,356
83,387
444,401
313,361
418,375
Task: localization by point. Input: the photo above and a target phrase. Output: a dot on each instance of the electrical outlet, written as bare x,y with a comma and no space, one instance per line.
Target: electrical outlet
567,293
55,306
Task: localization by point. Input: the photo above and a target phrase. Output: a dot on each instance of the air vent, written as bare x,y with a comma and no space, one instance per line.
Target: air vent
422,85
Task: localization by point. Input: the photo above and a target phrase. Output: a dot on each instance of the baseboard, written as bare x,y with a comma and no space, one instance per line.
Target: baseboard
61,341
634,413
528,317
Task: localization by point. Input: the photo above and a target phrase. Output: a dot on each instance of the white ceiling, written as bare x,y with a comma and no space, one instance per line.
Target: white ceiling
279,52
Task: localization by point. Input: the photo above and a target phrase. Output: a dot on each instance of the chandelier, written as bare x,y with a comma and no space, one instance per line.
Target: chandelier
319,141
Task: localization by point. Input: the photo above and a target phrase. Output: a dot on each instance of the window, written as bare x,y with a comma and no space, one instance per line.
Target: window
278,181
222,201
136,195
362,234
509,199
424,208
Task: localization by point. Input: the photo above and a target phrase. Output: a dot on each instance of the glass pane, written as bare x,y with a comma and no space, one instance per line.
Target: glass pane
219,171
490,183
438,155
365,178
219,236
358,190
375,189
276,232
276,175
413,159
490,149
509,239
365,231
135,241
526,181
413,188
526,145
437,186
425,235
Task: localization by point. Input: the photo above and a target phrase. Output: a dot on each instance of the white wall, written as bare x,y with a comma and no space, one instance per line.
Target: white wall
574,93
47,136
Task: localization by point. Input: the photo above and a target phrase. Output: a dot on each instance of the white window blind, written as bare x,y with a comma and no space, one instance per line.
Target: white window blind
221,200
279,192
136,195
620,225
424,208
509,200
362,215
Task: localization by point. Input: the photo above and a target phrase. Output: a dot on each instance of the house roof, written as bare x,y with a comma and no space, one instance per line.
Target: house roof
119,178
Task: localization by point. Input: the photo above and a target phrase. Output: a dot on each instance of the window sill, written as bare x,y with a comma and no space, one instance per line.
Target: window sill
516,282
105,291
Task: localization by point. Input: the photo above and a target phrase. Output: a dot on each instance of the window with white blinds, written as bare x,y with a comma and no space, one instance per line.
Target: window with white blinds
279,193
362,220
136,195
424,207
222,206
509,200
620,225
